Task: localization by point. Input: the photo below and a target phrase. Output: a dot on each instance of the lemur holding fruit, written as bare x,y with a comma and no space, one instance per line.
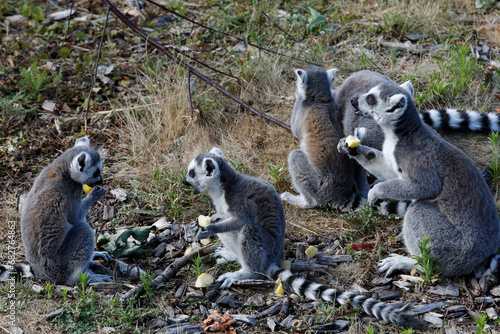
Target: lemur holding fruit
449,199
320,174
369,153
58,241
250,223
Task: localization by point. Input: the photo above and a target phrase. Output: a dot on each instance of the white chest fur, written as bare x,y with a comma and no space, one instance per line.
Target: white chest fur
220,202
388,149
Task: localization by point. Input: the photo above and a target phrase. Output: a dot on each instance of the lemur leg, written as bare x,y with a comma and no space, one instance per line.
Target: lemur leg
303,180
254,264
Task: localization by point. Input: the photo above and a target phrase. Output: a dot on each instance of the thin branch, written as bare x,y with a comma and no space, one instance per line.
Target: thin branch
179,62
229,35
283,30
171,270
189,93
96,68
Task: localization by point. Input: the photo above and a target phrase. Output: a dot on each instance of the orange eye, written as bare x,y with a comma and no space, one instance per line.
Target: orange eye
369,100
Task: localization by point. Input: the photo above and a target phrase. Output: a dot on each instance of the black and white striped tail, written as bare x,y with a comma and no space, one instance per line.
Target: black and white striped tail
395,208
383,311
453,119
17,271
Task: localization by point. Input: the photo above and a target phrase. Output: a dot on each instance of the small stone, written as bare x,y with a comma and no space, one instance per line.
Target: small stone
446,291
495,291
412,279
492,314
48,106
256,300
245,318
450,331
162,224
119,194
433,319
271,324
484,300
54,314
378,281
159,251
403,285
357,288
16,330
288,321
178,319
414,37
62,15
37,288
108,212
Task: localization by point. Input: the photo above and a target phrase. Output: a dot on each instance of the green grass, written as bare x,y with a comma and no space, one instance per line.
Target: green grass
426,261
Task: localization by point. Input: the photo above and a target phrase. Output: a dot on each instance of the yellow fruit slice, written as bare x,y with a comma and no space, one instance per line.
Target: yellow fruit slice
352,141
204,280
205,242
286,264
86,189
311,251
203,221
279,288
189,250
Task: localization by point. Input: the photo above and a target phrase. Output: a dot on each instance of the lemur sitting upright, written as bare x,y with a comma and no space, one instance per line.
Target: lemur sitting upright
449,200
250,223
58,241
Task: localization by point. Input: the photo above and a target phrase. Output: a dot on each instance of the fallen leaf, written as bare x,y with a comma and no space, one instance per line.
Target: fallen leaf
362,246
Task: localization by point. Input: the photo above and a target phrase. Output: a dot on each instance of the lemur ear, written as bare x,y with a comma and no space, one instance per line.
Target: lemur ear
331,75
81,160
84,141
210,166
398,101
217,152
302,77
408,86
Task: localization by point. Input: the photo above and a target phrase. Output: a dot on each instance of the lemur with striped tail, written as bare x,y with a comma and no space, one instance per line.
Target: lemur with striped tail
450,201
250,223
369,154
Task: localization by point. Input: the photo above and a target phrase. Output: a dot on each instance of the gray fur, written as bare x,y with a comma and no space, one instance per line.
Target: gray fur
249,219
450,201
58,242
320,174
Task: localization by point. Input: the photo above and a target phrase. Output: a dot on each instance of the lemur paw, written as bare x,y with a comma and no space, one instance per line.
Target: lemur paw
97,193
344,149
203,234
395,263
374,199
102,255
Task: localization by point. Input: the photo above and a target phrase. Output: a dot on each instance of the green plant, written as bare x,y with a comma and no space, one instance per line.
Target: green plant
495,158
426,261
481,323
146,279
370,329
326,311
48,289
279,174
197,267
35,82
407,331
364,221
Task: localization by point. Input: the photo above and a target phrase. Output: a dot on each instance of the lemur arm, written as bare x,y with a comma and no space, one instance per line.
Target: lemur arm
424,185
220,226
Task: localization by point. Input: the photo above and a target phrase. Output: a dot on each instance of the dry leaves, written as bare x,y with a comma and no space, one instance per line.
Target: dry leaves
219,323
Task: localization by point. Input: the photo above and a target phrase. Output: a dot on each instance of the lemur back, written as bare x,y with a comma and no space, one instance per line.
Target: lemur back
319,172
450,201
58,242
250,223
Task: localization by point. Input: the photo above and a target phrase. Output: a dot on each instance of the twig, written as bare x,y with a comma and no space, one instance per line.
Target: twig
179,62
229,35
96,68
171,270
189,93
304,228
281,29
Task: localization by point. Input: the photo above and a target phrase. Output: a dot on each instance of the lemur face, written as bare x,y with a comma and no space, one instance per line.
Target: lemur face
203,172
86,166
385,106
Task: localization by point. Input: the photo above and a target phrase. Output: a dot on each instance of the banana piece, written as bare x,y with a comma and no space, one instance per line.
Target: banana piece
279,288
86,189
311,251
204,280
203,221
352,141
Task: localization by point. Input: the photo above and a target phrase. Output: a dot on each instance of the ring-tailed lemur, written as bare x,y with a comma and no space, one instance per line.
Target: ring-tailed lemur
320,174
250,223
58,241
450,201
369,154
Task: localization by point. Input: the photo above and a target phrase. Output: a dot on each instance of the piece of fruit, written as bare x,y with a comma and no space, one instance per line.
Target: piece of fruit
279,288
205,242
86,189
204,280
352,141
286,265
311,251
203,221
189,250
